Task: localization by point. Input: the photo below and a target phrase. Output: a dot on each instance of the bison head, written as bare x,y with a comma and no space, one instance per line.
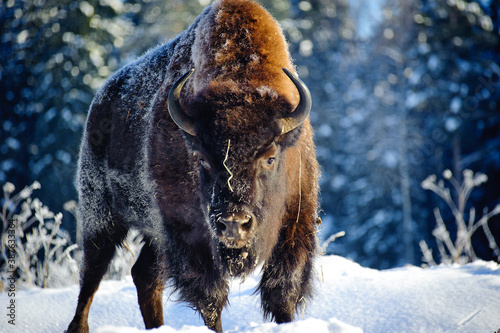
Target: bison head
240,136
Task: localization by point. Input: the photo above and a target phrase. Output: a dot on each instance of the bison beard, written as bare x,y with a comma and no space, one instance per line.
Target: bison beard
203,145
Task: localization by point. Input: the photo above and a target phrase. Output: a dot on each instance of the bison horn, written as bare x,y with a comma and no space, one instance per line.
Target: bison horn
179,116
302,110
289,123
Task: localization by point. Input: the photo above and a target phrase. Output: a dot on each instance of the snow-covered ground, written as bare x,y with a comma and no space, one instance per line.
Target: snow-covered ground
349,298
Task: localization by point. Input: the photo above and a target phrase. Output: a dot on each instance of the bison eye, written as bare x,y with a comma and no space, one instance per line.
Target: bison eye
270,161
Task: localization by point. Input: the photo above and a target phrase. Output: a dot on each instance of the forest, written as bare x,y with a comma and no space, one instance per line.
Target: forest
406,111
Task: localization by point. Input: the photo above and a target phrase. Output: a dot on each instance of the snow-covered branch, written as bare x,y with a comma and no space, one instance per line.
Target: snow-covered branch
461,250
32,243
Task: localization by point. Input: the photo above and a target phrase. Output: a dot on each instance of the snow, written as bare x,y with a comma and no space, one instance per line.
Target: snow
349,298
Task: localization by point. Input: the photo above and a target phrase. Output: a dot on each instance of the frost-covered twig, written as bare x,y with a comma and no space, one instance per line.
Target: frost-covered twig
330,239
10,205
483,222
460,251
427,253
443,239
28,229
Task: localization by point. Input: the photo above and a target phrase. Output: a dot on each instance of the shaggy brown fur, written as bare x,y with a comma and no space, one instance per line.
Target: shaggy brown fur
243,47
187,194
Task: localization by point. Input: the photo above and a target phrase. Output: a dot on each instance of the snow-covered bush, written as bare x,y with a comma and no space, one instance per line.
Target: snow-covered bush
460,249
38,252
33,246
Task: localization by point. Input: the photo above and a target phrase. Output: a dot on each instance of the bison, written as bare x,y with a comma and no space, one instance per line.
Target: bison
204,145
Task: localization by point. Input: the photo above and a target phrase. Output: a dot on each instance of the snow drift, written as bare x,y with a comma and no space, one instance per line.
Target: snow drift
349,298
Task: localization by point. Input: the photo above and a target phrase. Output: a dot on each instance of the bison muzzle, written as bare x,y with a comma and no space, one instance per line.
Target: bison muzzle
204,145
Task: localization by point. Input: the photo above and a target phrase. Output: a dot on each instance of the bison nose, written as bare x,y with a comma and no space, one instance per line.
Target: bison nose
234,226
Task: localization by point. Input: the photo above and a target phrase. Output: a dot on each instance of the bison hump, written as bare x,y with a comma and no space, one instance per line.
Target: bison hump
241,43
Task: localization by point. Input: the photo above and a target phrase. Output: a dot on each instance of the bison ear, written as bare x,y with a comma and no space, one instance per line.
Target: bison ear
302,110
177,113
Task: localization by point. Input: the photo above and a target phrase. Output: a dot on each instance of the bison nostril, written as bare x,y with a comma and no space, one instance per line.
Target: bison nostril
234,226
247,225
221,226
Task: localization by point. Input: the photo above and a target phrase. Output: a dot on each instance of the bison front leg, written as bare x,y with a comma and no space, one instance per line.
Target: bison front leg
200,282
208,295
286,280
211,314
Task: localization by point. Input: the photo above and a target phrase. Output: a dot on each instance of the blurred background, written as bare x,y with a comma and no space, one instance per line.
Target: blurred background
401,90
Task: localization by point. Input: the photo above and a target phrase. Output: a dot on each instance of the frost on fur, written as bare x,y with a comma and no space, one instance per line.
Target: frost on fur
459,250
